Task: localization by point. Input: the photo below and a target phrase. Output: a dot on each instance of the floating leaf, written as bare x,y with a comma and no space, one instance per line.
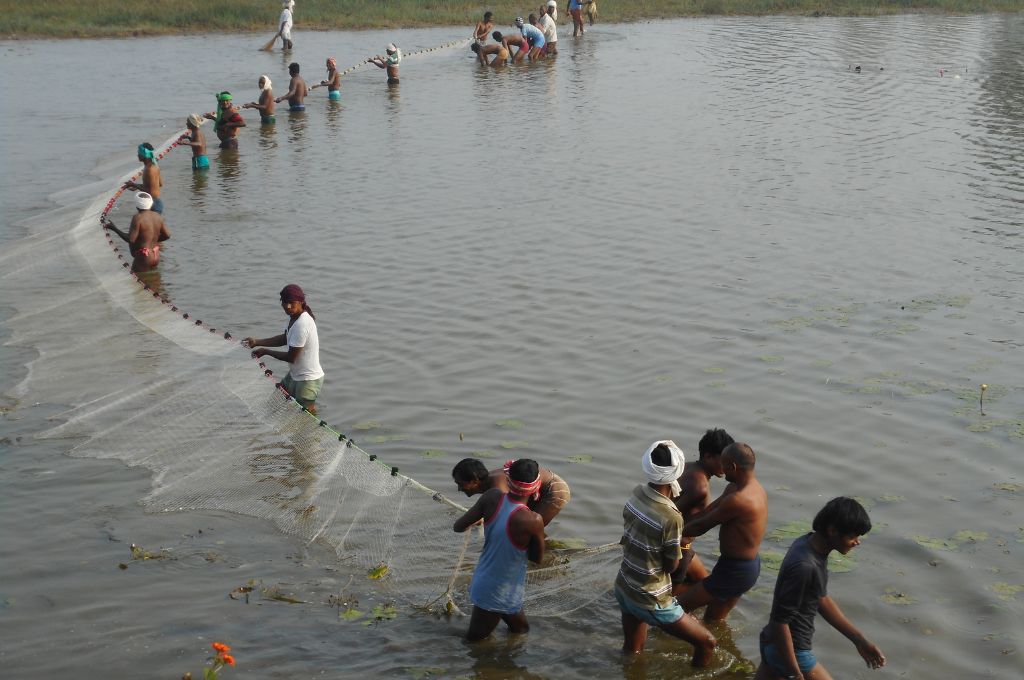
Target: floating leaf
821,363
584,458
790,531
378,572
518,444
510,424
433,453
891,498
934,543
483,454
714,369
384,438
967,535
273,593
565,544
771,560
384,612
770,358
893,596
368,425
1008,486
350,615
840,564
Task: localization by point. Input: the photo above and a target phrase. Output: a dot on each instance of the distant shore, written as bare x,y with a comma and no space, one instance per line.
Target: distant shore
115,18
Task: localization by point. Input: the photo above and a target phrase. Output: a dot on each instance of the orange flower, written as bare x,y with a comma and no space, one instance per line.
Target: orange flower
228,659
220,647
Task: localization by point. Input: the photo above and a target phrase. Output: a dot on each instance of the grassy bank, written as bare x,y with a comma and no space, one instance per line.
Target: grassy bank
105,18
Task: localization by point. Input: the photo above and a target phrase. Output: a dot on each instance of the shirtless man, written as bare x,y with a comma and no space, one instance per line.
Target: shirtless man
512,534
145,234
389,62
482,52
197,140
483,28
510,41
695,496
472,477
742,512
151,179
297,90
333,80
266,103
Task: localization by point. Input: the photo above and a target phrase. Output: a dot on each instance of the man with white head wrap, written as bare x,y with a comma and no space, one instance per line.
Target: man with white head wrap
651,534
147,231
389,62
266,103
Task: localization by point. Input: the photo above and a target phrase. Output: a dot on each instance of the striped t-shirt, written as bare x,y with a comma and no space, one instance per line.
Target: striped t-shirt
651,530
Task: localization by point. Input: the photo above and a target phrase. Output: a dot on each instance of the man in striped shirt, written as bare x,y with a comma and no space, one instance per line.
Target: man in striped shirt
651,551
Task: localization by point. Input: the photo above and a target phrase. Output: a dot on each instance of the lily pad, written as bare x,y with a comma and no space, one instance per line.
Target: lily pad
893,596
840,564
368,425
934,543
510,424
583,458
433,453
384,612
771,560
1007,591
789,531
351,615
1008,486
972,536
518,444
378,572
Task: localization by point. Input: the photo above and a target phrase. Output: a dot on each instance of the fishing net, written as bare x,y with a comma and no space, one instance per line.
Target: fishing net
188,403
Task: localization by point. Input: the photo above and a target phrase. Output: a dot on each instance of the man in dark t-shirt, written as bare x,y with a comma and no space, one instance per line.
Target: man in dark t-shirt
801,592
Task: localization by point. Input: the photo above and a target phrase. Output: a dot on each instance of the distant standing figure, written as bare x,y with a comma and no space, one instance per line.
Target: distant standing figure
534,36
390,62
227,120
151,179
590,7
742,513
297,90
483,28
512,534
500,57
550,29
197,140
651,531
305,377
695,496
801,593
575,7
333,80
266,103
472,477
509,41
147,231
285,25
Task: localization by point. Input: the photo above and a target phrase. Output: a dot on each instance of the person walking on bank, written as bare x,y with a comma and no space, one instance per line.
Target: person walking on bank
305,377
285,25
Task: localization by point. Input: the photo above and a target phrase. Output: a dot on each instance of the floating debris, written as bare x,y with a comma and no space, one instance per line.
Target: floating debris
583,458
893,596
510,424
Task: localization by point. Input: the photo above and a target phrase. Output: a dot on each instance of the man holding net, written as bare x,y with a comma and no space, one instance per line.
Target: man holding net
512,534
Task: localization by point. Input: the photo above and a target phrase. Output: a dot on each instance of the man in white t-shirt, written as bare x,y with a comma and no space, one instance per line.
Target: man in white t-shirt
285,24
546,23
305,377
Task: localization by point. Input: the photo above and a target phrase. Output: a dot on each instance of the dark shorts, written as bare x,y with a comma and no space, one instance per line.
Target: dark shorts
230,143
392,81
731,577
158,205
297,107
771,657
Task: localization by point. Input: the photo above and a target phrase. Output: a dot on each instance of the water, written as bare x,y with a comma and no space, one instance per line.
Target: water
673,226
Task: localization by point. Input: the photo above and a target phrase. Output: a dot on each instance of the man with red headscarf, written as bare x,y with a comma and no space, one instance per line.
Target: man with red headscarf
512,534
305,377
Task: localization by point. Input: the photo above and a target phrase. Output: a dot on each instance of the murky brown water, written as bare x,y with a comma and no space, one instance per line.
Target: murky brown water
673,226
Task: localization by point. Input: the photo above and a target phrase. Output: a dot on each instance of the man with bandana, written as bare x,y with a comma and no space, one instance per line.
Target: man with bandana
512,534
389,62
742,513
147,231
151,179
472,477
305,377
226,121
651,534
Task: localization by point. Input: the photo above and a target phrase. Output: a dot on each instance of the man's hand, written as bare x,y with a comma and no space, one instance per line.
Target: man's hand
871,654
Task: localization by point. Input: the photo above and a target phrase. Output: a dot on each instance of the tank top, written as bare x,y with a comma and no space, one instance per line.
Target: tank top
499,581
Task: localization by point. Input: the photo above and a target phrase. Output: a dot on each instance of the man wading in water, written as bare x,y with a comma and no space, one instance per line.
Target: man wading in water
512,533
145,234
151,180
472,477
297,90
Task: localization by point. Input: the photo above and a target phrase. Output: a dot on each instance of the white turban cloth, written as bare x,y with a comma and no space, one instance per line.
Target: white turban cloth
668,474
143,201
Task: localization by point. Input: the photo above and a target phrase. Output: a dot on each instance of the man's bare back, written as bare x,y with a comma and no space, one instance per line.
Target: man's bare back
297,91
740,536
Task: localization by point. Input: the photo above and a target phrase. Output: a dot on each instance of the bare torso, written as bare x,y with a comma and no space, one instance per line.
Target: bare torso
267,102
695,490
740,537
151,181
148,229
297,91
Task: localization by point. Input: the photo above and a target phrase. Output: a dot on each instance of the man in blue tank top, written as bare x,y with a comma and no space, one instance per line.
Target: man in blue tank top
512,534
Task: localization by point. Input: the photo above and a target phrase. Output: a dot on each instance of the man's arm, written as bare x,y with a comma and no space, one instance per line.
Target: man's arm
719,512
110,225
273,341
868,651
291,356
535,527
480,510
165,233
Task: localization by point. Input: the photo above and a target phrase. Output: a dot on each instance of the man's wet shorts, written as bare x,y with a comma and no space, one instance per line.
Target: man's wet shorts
200,162
158,205
334,95
653,617
304,391
731,577
297,107
268,120
771,657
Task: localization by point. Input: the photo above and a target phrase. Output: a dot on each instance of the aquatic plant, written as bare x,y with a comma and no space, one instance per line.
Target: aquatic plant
222,657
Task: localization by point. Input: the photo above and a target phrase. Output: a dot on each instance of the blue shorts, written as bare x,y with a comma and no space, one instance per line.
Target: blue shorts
334,95
200,162
770,657
732,577
297,107
654,617
158,205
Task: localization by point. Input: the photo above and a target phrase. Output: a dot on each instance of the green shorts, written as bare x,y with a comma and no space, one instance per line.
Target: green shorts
304,391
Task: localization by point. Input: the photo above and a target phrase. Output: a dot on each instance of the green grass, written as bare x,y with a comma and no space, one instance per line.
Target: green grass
107,18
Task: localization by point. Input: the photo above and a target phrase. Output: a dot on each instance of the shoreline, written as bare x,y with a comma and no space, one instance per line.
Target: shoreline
68,19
